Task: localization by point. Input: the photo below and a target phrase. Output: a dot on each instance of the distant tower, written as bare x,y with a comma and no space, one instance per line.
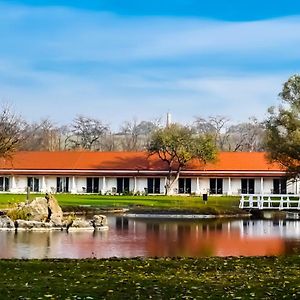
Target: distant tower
169,119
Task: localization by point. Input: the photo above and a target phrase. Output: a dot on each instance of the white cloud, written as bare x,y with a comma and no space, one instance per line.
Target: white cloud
140,66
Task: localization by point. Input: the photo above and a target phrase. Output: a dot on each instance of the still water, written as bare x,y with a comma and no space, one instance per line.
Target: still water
128,237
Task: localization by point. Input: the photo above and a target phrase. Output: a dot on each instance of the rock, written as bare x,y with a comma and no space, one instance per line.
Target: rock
6,222
80,224
31,225
40,209
56,215
99,221
37,209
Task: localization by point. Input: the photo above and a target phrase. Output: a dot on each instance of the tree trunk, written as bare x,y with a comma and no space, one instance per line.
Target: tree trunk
171,180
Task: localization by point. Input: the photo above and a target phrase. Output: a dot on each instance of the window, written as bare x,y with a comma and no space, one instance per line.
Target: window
33,183
92,185
279,186
4,184
122,185
184,185
216,185
62,184
247,186
153,185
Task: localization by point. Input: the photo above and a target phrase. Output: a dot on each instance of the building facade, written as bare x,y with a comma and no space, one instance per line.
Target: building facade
233,173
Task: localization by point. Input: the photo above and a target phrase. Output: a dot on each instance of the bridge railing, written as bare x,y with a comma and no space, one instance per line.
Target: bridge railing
270,201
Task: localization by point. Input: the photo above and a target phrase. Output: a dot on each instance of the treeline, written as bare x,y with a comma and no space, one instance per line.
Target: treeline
87,133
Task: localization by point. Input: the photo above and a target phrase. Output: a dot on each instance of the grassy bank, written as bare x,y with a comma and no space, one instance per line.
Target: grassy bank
187,204
205,278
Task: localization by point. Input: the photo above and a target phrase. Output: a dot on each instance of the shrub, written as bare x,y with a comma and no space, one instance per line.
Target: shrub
19,214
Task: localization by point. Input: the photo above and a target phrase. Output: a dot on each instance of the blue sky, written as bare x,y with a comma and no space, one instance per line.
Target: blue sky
118,60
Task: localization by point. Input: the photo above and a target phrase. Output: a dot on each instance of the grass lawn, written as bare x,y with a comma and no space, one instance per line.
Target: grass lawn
167,278
214,205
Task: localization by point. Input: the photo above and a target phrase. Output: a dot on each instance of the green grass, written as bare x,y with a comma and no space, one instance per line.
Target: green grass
214,205
165,278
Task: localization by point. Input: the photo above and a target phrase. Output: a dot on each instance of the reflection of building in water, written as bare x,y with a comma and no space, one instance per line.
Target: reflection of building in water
268,228
201,239
135,237
121,223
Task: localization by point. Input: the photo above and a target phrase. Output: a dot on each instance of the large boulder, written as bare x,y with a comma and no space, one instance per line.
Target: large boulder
56,213
37,209
6,222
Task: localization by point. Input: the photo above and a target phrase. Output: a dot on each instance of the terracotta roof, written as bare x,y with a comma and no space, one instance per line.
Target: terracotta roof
226,161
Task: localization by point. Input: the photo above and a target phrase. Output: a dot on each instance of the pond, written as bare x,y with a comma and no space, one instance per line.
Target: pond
129,237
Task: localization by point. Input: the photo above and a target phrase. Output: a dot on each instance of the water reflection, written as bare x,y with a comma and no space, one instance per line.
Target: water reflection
135,237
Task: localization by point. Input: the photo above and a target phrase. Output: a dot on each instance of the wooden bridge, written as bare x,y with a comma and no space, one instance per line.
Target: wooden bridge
270,201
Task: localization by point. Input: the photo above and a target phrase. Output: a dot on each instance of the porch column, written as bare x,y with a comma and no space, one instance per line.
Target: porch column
74,188
103,185
198,186
44,186
134,186
261,185
13,184
165,184
229,192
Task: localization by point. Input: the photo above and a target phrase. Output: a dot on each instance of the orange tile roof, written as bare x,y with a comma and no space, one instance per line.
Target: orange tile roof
73,160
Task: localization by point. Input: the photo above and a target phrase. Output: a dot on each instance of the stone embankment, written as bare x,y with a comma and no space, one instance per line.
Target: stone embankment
44,213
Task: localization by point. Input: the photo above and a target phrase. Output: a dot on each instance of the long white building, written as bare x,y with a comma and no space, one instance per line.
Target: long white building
232,173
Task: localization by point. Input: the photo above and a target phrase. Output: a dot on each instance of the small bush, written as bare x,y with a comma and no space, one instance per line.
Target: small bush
19,214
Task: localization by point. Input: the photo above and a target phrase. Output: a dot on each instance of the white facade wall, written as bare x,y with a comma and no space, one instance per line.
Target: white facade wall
110,184
194,185
204,185
80,184
268,186
51,183
236,186
226,186
18,184
141,184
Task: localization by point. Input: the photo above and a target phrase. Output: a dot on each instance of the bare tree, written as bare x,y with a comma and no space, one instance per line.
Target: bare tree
135,136
64,137
216,126
87,133
11,132
246,136
41,136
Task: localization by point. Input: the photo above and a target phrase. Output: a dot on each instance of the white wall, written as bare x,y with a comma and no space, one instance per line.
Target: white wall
204,185
268,185
141,184
235,186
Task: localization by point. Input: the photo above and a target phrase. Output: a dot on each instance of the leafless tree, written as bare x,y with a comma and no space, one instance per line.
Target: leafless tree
217,126
11,132
41,136
135,135
87,133
246,136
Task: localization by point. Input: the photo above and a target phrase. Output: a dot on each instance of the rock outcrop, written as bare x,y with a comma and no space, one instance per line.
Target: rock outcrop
44,213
